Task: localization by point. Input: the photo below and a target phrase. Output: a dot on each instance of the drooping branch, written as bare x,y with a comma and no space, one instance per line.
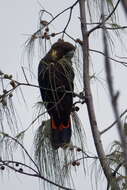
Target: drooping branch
23,148
35,173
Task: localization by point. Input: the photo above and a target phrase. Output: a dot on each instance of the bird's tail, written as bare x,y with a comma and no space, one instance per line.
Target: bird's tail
60,135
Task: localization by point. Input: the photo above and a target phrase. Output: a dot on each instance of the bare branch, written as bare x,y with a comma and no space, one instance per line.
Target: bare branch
6,162
69,19
100,52
35,175
124,3
116,28
25,75
117,168
14,139
71,7
101,24
86,80
113,95
114,123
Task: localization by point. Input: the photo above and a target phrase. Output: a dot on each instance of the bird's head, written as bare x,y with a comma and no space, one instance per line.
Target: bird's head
61,48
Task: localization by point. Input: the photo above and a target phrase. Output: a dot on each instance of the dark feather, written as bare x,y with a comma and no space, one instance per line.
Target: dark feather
55,77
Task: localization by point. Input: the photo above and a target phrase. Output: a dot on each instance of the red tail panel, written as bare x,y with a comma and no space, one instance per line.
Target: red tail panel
53,125
61,127
65,126
60,135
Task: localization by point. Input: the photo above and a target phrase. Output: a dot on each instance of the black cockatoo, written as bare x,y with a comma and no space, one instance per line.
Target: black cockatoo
56,77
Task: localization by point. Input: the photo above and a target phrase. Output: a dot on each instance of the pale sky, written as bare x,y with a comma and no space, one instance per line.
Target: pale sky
19,19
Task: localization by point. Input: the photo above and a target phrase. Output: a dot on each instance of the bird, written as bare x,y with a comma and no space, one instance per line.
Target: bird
56,83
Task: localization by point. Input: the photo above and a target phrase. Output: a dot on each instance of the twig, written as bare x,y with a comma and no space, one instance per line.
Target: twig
117,168
116,28
61,88
115,122
25,75
57,17
69,19
101,24
6,162
43,10
26,173
38,176
14,139
100,52
70,37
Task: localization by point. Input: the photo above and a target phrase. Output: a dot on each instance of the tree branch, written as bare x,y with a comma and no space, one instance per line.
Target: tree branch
71,7
115,60
14,139
100,24
38,176
115,122
124,3
113,95
88,93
